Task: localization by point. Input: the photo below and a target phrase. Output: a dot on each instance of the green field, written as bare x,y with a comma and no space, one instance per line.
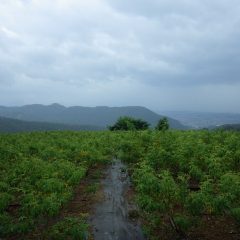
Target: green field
179,177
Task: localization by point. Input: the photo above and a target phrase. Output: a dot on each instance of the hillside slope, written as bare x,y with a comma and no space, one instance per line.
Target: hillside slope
76,115
8,125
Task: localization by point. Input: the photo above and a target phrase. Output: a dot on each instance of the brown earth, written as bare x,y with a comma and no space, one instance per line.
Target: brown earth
216,228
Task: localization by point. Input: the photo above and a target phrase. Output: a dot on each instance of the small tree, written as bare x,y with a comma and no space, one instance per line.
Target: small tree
128,123
163,124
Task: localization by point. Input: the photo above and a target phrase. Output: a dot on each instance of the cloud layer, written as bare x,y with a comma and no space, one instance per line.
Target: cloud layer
161,54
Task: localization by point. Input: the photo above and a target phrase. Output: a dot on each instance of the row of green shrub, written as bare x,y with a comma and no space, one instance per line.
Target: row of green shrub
184,175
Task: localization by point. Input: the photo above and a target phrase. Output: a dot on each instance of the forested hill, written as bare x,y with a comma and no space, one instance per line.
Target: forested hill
8,125
76,115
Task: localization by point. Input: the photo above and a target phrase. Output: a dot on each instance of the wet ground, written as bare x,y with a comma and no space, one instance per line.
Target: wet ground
110,220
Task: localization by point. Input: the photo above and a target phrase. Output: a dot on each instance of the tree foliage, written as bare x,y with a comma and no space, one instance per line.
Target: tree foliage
128,123
163,124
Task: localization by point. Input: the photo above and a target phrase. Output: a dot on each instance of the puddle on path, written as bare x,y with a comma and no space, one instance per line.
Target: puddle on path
110,220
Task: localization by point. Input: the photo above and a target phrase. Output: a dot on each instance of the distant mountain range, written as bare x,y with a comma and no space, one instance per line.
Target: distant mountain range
93,117
199,120
9,125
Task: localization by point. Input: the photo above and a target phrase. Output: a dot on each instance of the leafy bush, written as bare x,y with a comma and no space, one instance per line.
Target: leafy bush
162,124
71,228
128,123
183,222
5,199
236,213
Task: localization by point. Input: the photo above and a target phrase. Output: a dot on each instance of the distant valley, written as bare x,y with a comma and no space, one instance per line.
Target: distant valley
198,120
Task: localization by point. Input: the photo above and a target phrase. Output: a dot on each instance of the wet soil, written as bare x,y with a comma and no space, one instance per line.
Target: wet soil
112,218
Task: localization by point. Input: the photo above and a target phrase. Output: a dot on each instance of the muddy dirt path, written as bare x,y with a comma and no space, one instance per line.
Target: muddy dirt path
110,220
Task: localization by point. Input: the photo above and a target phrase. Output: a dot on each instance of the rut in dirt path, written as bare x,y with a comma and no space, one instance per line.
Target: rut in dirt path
110,220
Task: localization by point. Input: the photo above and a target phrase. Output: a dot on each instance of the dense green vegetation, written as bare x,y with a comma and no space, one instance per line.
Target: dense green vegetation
39,171
181,176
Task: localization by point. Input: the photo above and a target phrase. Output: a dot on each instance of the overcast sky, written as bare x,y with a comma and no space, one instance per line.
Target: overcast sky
162,54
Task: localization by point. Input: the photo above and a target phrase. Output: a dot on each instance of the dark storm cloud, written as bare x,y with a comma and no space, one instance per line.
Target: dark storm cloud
202,38
118,46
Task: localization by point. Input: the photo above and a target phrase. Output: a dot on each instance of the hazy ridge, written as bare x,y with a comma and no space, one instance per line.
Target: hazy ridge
9,125
98,117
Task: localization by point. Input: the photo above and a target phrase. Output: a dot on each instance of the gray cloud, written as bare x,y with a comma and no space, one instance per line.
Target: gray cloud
156,48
